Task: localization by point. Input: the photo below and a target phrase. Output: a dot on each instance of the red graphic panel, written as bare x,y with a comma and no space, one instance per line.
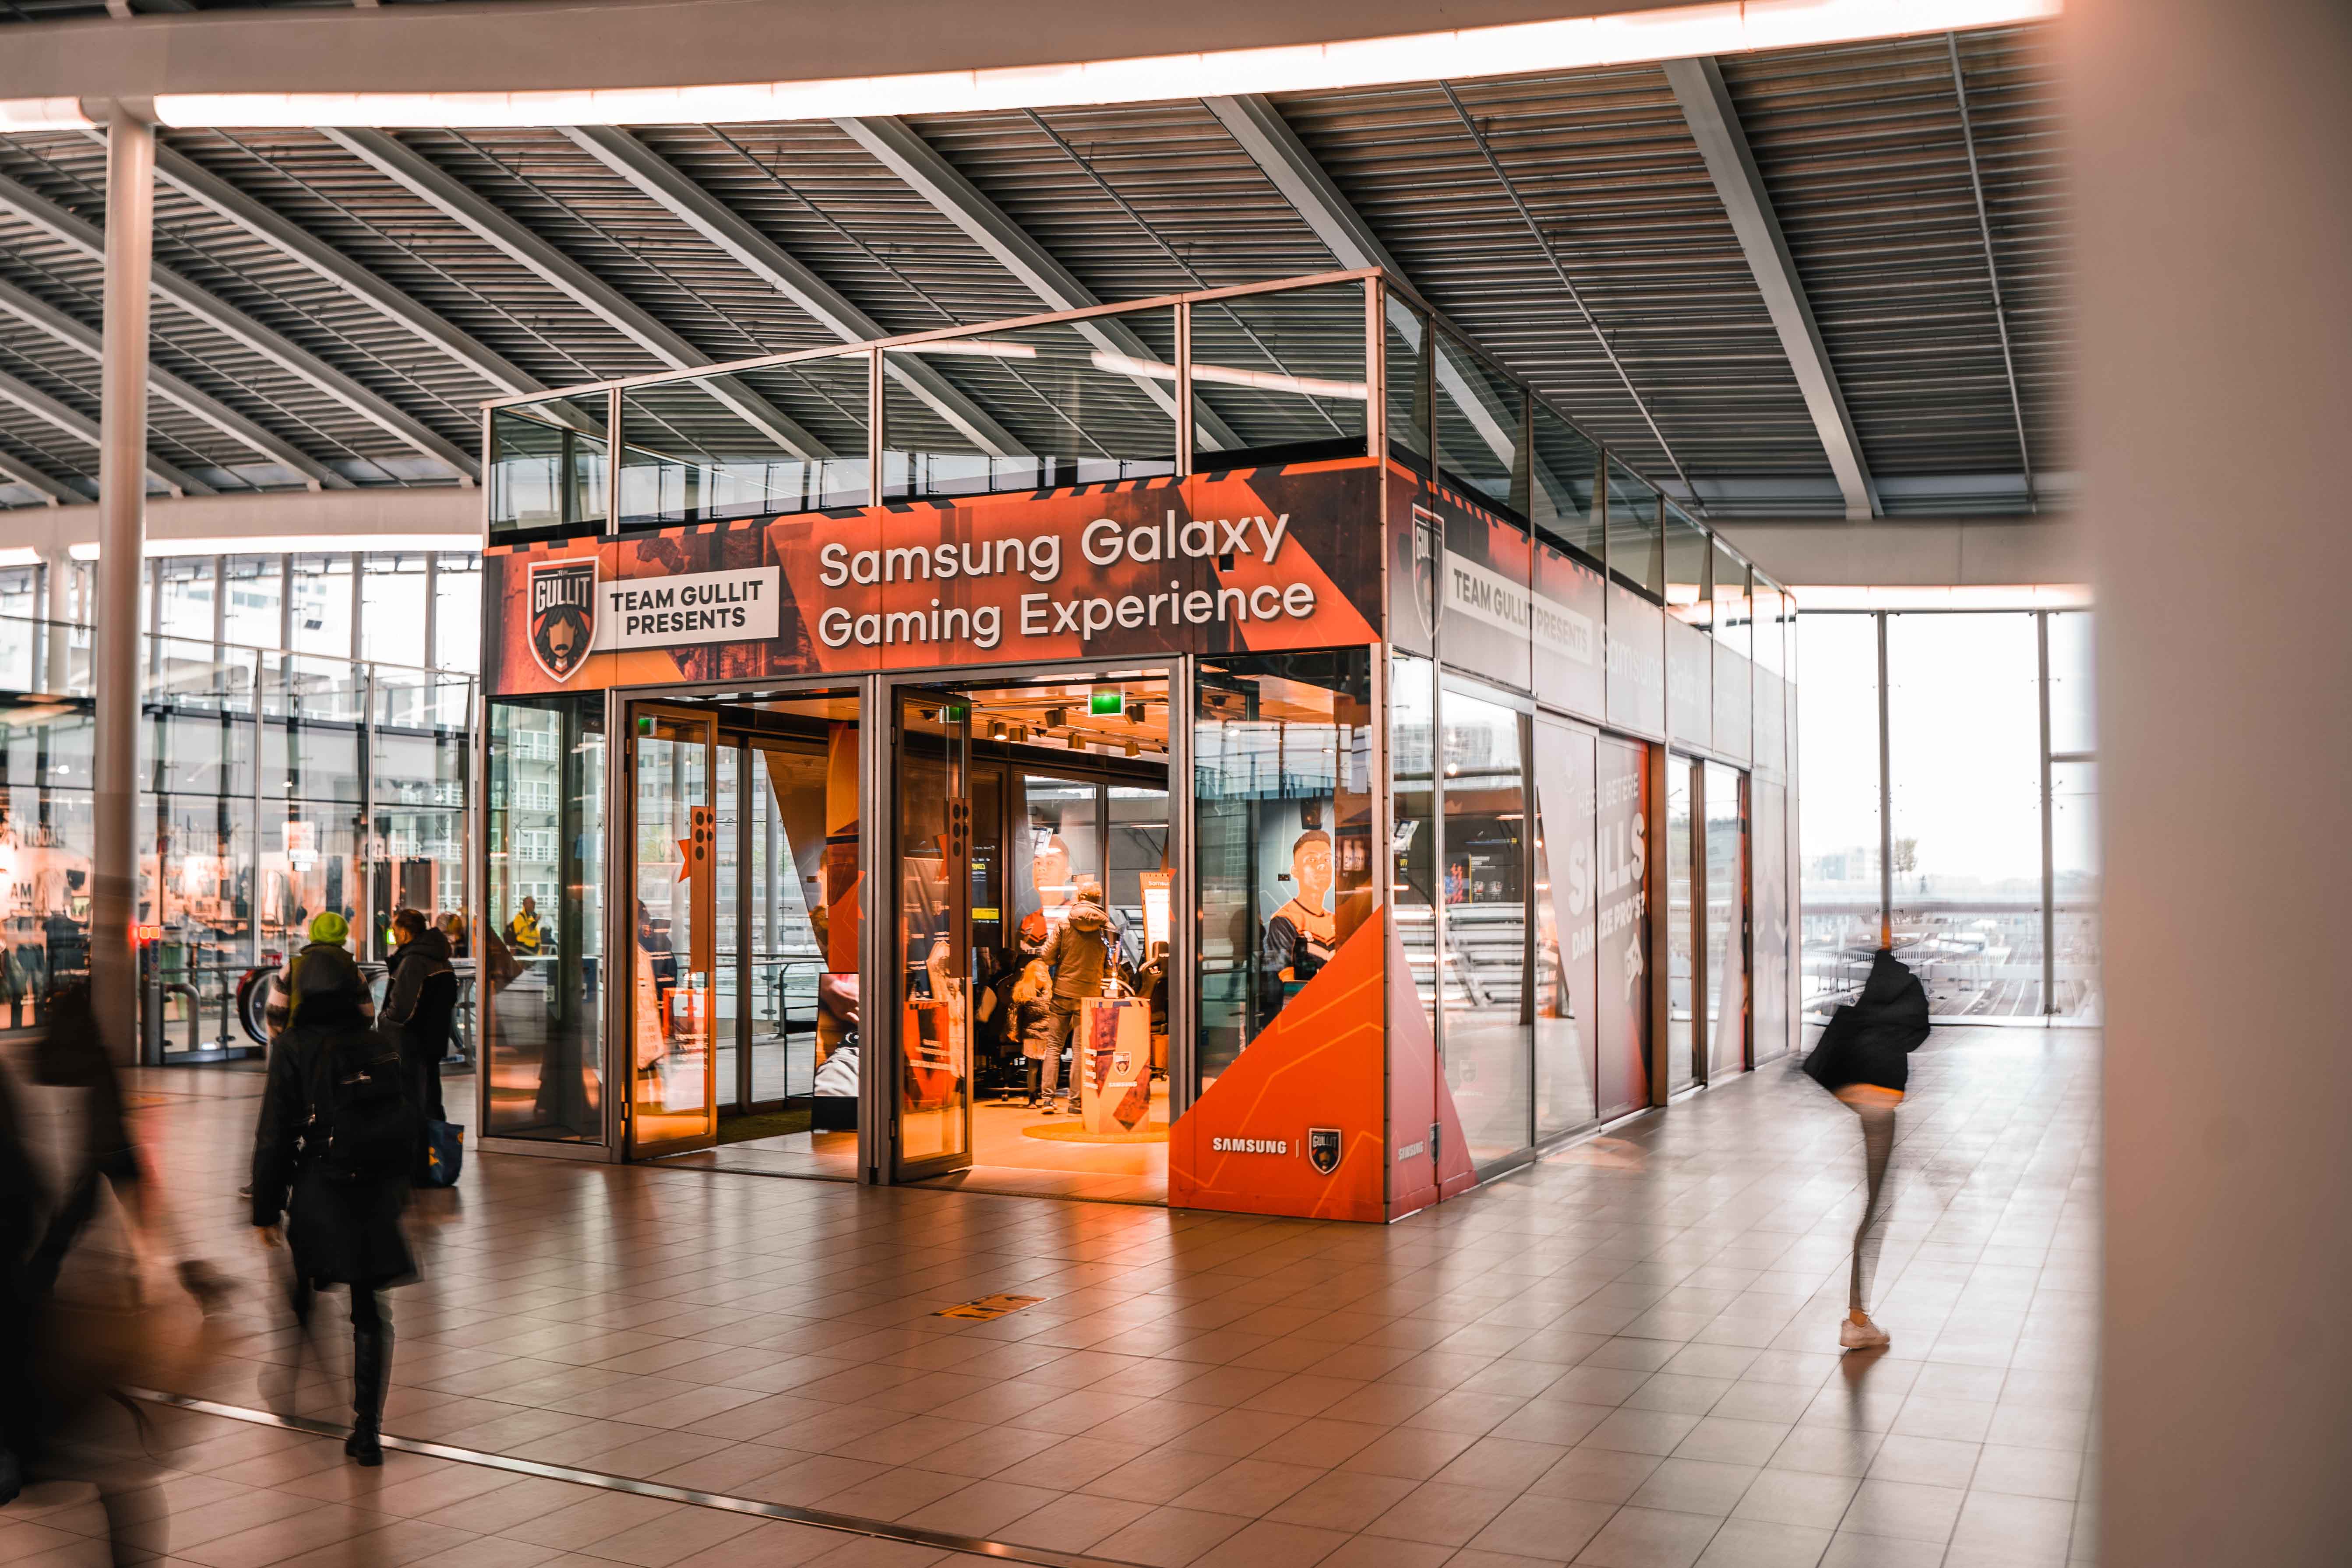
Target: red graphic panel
1318,1064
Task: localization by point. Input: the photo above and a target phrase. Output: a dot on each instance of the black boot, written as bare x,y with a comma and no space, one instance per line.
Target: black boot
370,1371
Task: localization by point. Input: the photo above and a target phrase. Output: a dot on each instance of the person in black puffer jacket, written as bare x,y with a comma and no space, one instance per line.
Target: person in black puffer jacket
342,1229
1863,1057
418,1005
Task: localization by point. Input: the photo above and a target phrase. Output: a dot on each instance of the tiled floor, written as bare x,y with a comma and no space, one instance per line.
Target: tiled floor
1624,1356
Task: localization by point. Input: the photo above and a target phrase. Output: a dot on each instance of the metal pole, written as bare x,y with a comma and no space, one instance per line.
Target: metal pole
1886,802
2049,857
123,535
56,573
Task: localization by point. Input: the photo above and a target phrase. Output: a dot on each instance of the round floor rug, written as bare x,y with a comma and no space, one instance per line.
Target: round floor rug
1075,1131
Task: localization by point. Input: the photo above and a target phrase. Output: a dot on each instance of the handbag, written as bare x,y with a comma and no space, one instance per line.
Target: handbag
444,1155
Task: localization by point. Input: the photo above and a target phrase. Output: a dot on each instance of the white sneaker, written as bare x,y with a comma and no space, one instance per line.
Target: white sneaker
1862,1336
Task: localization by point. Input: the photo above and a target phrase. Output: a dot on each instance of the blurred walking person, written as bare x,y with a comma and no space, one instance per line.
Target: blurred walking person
23,1205
331,1156
1863,1057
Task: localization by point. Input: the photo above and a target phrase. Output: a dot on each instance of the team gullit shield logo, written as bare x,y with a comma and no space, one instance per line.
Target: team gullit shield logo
1323,1149
1424,568
563,614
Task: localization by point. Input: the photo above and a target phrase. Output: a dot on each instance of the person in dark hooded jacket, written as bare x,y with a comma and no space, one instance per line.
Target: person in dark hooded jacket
1863,1057
342,1229
418,1005
1079,955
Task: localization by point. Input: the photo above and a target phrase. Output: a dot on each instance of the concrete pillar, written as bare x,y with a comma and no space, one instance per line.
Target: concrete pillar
122,531
2212,239
56,585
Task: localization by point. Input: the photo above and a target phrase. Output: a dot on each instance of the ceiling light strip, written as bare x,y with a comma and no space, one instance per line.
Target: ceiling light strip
1567,42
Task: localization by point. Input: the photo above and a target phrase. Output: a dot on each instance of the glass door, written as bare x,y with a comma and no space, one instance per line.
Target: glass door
1685,1038
931,758
673,824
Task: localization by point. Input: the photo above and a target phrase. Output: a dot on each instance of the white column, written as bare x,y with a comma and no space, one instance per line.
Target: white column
2212,238
122,531
58,566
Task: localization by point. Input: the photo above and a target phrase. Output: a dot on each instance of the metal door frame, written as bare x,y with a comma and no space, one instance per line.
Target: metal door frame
874,1031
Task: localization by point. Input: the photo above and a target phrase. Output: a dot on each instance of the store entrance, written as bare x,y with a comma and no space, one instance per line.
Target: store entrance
1034,895
742,1023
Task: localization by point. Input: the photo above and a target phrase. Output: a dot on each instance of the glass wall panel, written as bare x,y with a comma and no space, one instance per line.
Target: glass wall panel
1689,552
321,586
2071,726
1405,335
1283,373
392,608
1768,853
756,443
1963,752
1682,932
547,467
1486,1044
1636,547
1560,497
1837,718
672,957
1771,614
1733,617
1065,409
254,589
2074,892
188,589
1412,773
1727,922
1282,747
457,611
543,942
1479,432
1566,903
45,854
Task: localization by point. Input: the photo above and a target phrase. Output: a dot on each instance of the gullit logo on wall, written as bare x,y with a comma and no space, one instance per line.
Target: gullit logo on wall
563,614
1323,1149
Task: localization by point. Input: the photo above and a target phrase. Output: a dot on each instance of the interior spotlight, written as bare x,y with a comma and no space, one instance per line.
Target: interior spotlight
1056,717
996,730
1135,712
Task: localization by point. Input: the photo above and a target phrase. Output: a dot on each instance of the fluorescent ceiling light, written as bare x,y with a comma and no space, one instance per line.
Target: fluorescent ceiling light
297,544
985,348
20,555
1567,42
1227,375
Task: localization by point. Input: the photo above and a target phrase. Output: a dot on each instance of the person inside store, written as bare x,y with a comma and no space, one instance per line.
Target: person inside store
522,932
418,1005
332,1155
1079,955
452,926
1300,937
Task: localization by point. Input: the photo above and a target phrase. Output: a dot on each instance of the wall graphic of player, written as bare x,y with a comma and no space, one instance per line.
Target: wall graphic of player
1300,937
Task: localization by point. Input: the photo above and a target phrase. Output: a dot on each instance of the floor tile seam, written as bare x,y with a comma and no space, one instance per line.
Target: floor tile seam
847,1524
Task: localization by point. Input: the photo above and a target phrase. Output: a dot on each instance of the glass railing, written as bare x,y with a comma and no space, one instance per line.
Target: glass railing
1332,365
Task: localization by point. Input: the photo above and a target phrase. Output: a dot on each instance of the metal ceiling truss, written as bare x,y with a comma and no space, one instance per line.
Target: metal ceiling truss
51,492
929,174
664,183
227,318
274,229
429,183
46,317
82,427
1992,270
1715,124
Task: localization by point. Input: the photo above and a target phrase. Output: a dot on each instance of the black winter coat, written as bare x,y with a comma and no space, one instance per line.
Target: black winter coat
1871,1039
339,1234
418,1005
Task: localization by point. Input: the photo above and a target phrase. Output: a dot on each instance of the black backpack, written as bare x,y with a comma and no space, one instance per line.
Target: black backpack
363,1126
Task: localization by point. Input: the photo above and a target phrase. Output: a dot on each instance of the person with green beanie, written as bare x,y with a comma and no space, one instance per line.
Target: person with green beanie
335,970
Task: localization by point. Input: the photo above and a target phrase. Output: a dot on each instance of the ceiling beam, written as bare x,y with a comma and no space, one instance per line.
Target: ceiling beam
82,427
43,317
1252,121
51,492
427,181
929,174
225,318
661,180
281,233
1715,125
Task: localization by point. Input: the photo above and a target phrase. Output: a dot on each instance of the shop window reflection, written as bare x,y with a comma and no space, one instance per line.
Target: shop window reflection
1486,1044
